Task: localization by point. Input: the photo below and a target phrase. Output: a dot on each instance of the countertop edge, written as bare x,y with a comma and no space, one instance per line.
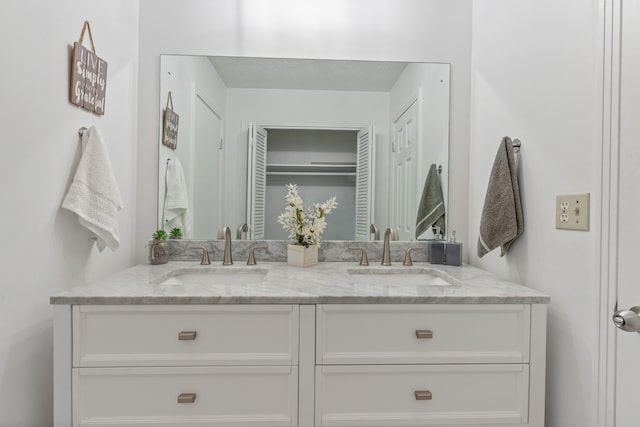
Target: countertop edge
193,300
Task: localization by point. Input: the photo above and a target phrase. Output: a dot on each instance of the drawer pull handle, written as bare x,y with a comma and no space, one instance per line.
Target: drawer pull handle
187,335
188,397
424,334
423,395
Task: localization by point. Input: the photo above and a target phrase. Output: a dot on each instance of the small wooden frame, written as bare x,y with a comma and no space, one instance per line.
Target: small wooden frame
88,76
170,125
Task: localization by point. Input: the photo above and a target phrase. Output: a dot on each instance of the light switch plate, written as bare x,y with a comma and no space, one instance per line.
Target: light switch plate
572,212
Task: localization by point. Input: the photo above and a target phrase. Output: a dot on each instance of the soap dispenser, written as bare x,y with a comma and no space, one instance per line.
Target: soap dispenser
453,251
436,252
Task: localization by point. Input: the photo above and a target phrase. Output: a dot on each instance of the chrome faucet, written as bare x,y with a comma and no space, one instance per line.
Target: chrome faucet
389,233
225,233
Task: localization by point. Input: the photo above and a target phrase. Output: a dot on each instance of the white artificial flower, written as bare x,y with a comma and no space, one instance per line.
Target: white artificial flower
305,226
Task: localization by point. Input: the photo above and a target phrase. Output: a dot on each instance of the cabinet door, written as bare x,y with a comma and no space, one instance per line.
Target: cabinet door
185,335
177,397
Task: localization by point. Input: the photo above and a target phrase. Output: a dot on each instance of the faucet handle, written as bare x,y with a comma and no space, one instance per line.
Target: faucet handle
252,256
407,255
205,254
363,258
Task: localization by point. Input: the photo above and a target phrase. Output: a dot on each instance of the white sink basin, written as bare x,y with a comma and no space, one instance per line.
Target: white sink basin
396,277
213,276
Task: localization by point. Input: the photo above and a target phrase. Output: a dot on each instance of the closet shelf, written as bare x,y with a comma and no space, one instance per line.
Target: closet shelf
313,173
322,169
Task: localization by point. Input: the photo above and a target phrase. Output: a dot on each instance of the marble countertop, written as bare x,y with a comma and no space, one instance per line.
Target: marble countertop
278,283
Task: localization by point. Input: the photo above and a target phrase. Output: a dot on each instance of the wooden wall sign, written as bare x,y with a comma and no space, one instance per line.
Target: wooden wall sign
88,76
170,125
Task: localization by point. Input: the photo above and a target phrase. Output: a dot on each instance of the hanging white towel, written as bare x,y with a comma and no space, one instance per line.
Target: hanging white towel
176,200
94,195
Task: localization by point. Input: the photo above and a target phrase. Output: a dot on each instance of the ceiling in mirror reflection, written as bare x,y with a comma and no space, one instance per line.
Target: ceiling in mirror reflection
310,74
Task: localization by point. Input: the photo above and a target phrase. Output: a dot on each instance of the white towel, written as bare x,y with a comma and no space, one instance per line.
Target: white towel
176,200
94,195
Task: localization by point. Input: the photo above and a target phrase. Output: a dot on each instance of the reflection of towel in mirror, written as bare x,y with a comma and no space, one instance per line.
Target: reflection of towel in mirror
176,201
94,195
431,209
502,218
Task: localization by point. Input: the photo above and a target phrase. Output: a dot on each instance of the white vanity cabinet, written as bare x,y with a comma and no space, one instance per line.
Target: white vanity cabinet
310,365
196,365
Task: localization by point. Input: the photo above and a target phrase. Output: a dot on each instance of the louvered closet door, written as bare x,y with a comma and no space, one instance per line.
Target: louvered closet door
364,183
257,180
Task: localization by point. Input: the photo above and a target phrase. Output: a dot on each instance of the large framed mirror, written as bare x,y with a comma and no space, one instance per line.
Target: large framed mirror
367,132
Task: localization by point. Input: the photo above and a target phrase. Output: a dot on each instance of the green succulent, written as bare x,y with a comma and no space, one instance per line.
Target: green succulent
160,235
176,232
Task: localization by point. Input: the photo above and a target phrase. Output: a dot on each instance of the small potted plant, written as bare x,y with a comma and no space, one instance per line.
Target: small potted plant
175,233
159,251
159,235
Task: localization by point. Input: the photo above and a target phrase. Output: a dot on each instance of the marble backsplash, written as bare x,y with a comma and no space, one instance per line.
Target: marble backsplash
276,250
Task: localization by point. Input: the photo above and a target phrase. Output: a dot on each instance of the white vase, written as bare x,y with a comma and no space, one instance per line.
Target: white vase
300,256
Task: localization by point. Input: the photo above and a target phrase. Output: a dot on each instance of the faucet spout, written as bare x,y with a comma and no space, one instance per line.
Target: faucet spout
225,233
386,252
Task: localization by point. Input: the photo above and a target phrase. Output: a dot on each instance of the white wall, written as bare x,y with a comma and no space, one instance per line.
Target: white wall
404,30
536,76
44,249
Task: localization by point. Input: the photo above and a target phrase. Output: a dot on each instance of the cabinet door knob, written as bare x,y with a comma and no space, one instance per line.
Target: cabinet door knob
423,395
186,397
424,334
187,335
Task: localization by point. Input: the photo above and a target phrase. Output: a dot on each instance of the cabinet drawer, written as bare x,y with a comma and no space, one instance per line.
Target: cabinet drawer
404,395
185,335
414,334
175,397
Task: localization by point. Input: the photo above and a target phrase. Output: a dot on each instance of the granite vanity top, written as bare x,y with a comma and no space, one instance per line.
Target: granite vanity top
327,282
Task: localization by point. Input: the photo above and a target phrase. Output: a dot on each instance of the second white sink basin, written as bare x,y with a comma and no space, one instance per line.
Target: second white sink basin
213,276
414,277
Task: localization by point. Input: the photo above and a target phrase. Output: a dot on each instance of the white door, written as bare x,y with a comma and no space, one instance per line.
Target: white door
404,172
207,161
627,344
257,179
365,184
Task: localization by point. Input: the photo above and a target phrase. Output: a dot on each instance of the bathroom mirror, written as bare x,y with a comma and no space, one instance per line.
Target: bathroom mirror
366,132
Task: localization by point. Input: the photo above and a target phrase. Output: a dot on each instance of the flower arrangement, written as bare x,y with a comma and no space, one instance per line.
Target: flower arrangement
305,226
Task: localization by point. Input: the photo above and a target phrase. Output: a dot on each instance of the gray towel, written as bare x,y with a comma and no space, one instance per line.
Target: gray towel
502,219
431,209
